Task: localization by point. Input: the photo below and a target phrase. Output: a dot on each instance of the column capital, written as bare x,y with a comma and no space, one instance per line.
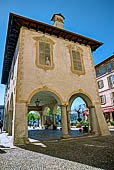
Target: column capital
91,106
63,105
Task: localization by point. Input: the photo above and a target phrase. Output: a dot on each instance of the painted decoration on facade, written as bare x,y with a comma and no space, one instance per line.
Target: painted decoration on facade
44,54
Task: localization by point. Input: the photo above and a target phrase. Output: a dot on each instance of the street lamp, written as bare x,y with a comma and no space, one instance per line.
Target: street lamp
37,102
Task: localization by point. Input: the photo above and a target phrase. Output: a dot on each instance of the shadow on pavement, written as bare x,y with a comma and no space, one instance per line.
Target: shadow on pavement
2,151
93,151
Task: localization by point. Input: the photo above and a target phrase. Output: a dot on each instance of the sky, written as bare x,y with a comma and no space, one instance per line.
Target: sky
91,18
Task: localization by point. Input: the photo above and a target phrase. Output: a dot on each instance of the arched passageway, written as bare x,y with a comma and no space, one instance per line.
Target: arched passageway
78,116
6,118
94,126
10,116
47,108
48,102
40,100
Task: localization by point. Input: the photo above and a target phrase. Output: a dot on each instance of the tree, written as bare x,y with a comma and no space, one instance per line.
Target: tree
58,111
80,110
33,116
48,113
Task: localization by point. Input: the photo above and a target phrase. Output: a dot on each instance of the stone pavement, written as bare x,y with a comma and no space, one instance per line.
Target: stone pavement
34,157
44,135
20,159
16,158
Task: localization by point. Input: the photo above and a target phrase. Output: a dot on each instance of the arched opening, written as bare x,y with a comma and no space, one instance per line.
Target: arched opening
6,118
79,122
10,113
46,103
81,114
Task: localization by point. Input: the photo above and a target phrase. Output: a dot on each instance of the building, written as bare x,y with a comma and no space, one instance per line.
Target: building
105,79
47,66
1,112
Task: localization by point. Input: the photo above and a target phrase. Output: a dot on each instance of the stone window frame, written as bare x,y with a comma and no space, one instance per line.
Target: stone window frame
112,98
103,99
77,49
100,84
111,81
109,67
45,40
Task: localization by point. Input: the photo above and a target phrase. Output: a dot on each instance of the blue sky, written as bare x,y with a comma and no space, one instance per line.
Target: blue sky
91,18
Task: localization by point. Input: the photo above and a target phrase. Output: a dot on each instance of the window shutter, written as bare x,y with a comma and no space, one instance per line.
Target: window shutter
108,78
102,84
111,97
104,97
113,82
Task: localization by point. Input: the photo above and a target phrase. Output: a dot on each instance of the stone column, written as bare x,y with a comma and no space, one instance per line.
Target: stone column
111,118
41,120
64,122
53,110
7,122
103,128
20,126
54,119
68,120
93,121
10,122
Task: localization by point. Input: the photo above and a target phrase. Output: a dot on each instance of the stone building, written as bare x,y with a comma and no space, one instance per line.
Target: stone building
51,66
105,79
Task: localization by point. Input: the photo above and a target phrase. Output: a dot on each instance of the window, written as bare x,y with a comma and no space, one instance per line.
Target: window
103,99
100,71
109,67
100,84
112,98
76,55
44,54
77,65
111,81
97,73
113,64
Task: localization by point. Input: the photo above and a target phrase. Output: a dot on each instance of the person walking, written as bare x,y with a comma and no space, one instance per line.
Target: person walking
1,125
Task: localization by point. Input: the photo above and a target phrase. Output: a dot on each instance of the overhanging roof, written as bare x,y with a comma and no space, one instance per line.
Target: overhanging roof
14,25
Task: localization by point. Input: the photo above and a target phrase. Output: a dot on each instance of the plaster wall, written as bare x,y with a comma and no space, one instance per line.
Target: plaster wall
60,79
11,86
106,90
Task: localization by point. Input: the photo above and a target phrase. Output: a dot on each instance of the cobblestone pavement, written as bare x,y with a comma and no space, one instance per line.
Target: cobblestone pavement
20,159
81,153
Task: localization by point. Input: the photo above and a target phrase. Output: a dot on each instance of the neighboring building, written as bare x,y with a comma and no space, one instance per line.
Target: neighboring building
1,112
47,66
105,79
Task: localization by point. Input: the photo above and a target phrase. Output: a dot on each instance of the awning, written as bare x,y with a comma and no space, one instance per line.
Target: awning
108,110
85,113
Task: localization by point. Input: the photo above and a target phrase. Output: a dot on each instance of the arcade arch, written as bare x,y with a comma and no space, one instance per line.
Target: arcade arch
48,99
51,99
6,118
10,113
92,112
